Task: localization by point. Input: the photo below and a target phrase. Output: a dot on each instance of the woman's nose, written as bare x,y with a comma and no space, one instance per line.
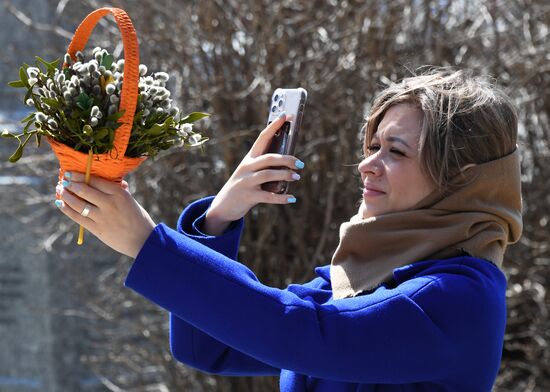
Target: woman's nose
370,165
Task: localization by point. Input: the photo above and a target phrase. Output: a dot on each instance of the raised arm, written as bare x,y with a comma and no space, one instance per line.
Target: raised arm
356,340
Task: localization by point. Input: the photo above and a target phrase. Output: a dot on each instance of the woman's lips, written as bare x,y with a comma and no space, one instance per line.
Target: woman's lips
372,192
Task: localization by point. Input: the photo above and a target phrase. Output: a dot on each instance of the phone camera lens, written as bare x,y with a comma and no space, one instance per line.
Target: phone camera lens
281,103
276,97
274,108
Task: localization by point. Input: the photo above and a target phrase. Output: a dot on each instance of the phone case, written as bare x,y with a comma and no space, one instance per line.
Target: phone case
292,102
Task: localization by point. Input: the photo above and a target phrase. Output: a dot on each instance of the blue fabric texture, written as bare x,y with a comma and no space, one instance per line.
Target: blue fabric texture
438,326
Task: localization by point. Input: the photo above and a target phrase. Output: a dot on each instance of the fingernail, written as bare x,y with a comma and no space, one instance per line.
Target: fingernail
291,200
68,174
295,176
65,183
59,189
299,164
59,203
283,114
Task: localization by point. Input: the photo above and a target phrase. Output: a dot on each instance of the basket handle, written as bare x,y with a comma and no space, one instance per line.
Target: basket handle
129,94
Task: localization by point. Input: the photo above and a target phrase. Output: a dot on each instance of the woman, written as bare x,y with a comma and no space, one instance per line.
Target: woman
413,299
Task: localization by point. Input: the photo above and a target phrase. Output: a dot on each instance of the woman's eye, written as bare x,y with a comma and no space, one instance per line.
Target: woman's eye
373,148
397,152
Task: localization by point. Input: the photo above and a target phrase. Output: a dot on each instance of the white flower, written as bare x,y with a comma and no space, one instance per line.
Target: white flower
92,67
32,81
187,127
67,96
178,143
120,65
29,102
96,49
110,88
195,139
142,69
162,76
32,72
94,111
93,121
60,78
52,123
40,117
113,99
67,59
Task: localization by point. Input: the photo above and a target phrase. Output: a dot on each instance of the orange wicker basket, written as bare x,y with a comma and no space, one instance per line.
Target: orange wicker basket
112,165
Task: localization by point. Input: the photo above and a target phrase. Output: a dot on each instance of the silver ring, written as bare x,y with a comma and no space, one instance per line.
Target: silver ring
86,210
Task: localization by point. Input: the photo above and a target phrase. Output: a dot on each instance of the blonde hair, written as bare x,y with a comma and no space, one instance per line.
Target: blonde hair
467,119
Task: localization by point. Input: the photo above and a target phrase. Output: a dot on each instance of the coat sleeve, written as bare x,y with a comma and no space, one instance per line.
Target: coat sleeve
385,338
192,346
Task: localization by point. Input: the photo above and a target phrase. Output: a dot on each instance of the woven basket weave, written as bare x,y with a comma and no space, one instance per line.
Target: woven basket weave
112,165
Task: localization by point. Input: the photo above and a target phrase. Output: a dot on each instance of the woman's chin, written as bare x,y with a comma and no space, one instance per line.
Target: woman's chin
367,210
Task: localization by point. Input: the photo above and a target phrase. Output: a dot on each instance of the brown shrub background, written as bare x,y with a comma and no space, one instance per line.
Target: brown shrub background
225,58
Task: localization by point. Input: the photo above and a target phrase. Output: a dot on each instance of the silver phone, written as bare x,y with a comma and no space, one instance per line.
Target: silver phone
292,101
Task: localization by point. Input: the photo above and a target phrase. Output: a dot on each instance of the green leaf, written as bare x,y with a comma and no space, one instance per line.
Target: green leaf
28,95
16,84
17,154
101,133
108,61
28,118
7,134
195,116
84,102
24,77
49,66
54,103
156,129
116,116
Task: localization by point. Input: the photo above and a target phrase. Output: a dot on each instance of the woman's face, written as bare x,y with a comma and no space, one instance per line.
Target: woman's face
391,173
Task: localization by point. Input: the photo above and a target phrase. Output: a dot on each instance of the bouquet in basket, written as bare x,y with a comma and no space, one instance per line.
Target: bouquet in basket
78,106
101,115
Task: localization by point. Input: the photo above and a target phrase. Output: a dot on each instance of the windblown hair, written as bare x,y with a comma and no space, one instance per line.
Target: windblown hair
467,119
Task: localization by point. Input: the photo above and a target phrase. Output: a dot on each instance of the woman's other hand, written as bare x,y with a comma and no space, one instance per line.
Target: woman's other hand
243,189
115,217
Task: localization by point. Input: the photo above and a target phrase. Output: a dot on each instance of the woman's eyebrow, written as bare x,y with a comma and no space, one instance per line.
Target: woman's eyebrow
397,139
393,139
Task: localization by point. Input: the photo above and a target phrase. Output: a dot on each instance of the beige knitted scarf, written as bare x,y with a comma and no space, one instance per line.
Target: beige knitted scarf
480,219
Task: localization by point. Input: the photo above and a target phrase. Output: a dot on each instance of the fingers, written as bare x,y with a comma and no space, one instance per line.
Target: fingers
86,192
264,139
75,203
275,160
275,198
274,175
105,186
72,207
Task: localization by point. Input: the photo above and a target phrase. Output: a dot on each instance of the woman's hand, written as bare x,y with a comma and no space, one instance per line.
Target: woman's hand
115,217
243,189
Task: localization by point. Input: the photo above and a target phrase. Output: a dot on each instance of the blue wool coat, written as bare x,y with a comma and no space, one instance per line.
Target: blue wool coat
438,326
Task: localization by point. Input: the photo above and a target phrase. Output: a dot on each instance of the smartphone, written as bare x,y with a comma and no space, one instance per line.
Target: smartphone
292,101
